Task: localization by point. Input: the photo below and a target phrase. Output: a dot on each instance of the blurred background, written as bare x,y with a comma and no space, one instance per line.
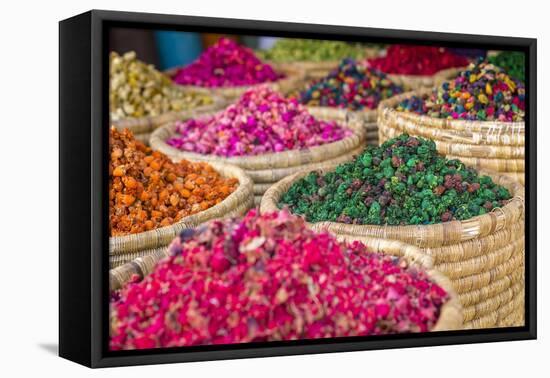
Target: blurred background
168,49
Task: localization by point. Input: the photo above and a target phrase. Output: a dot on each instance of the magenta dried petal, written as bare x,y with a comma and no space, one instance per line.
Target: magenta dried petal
261,121
268,277
226,64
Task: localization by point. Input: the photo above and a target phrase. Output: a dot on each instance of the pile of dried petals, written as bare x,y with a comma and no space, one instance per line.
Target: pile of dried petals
266,278
147,190
226,64
417,60
261,121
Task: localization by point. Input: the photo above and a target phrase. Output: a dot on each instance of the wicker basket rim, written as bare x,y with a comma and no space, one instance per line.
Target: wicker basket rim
387,107
268,204
441,73
130,123
159,136
368,115
291,75
451,313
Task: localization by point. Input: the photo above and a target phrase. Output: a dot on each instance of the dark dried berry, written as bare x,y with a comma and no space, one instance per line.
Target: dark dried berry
439,190
446,216
473,187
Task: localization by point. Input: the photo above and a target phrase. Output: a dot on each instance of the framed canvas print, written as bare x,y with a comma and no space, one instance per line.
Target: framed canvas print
235,188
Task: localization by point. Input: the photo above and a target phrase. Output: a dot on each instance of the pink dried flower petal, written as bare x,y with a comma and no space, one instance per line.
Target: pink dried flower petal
268,277
261,121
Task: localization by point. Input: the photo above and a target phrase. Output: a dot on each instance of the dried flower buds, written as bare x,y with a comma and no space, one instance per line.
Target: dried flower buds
350,86
139,90
261,121
404,181
266,278
482,92
417,60
226,64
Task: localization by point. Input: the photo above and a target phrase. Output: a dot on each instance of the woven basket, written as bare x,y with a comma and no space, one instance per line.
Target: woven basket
310,70
318,70
267,169
450,317
484,145
412,82
293,78
144,126
123,249
366,119
483,256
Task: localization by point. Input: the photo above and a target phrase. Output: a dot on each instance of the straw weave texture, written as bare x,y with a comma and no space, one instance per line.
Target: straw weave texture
484,145
412,82
269,168
483,257
450,318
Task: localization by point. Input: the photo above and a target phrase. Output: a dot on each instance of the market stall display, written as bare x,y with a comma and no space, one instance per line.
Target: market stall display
316,58
394,176
228,69
265,134
151,198
351,90
478,117
472,225
141,98
415,67
267,278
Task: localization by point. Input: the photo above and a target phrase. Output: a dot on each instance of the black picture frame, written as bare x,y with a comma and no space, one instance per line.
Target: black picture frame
83,181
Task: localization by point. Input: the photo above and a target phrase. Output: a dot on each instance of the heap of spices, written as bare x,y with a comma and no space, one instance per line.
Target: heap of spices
404,181
138,90
417,60
482,92
147,190
267,278
512,62
226,64
350,86
312,50
261,121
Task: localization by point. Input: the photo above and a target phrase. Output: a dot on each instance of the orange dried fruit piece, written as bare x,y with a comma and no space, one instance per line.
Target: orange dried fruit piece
119,171
147,190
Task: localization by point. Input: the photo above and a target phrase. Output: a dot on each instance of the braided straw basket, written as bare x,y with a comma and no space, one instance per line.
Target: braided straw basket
484,145
292,79
413,82
267,169
123,249
483,256
142,127
317,70
364,118
450,317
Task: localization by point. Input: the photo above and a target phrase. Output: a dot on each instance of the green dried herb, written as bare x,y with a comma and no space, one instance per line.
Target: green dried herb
312,50
404,181
513,62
